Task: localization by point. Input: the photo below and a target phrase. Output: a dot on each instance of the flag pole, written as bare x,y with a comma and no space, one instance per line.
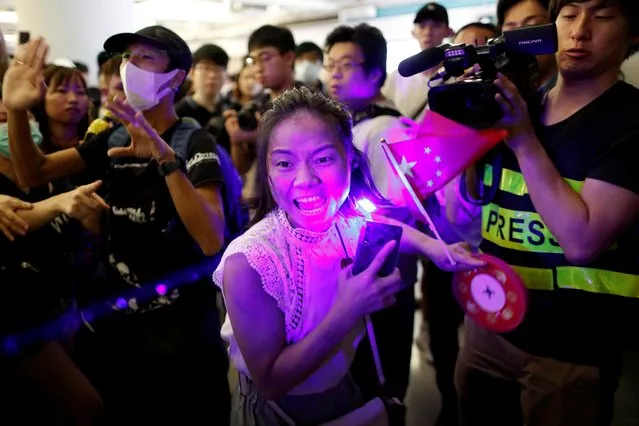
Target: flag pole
418,203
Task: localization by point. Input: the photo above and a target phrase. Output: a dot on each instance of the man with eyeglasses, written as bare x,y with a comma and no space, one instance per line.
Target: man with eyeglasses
356,71
272,53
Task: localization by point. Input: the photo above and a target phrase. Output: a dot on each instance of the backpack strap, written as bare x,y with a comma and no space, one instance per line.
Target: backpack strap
119,138
236,216
373,111
182,136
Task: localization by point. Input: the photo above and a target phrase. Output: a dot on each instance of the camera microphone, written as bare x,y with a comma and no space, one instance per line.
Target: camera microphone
424,60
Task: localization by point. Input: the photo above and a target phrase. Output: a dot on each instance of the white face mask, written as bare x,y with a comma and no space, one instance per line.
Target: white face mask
142,88
256,89
226,89
307,72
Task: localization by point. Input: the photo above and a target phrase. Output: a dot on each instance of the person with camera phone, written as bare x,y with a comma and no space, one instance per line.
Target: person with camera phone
562,209
295,306
272,54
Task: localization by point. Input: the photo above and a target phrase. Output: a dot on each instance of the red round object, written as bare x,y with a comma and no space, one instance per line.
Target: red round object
493,296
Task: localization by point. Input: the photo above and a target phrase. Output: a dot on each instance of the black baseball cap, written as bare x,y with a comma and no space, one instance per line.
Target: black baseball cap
161,37
211,53
432,12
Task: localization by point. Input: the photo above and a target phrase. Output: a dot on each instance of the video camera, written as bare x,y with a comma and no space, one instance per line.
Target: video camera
472,101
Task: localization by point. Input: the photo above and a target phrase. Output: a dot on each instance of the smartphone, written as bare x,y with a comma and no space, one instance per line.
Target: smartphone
23,37
373,237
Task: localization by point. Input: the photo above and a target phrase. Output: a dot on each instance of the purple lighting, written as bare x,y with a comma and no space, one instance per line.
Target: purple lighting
121,304
11,346
161,289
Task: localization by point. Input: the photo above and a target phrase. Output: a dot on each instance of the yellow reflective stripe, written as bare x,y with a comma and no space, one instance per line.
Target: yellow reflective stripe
535,278
513,182
515,230
579,278
598,281
488,175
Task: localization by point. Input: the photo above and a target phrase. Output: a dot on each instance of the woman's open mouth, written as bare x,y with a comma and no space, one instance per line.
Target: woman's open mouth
309,206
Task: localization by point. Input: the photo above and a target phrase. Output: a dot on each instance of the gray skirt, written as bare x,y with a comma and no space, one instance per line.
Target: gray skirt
250,408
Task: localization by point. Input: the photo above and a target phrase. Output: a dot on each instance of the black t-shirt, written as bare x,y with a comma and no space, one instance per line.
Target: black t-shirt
37,271
146,239
600,141
212,121
187,107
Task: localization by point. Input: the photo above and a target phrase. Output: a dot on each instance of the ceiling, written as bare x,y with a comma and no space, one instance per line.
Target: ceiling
203,20
216,18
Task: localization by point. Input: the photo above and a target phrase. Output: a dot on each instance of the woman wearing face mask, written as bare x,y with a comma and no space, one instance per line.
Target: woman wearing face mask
308,65
41,233
247,89
295,316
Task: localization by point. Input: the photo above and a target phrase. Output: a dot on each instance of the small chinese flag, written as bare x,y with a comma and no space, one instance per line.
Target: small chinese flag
440,152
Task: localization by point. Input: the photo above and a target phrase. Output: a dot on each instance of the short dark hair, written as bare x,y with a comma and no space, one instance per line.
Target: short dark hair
369,39
629,9
103,57
213,53
280,38
482,25
503,6
336,115
81,66
112,66
309,47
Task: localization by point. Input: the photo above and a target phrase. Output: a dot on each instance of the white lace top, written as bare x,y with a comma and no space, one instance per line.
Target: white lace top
299,269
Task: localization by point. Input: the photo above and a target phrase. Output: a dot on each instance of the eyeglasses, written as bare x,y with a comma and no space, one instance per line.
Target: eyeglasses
342,66
260,58
212,69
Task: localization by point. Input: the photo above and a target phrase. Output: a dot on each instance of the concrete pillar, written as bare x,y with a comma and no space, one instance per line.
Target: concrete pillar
75,29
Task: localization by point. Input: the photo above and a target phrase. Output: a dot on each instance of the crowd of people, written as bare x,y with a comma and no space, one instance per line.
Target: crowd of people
179,220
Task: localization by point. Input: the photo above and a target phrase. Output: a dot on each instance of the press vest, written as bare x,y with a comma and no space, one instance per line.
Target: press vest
513,229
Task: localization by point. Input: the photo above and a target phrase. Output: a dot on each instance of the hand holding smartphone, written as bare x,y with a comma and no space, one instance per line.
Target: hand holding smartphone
373,237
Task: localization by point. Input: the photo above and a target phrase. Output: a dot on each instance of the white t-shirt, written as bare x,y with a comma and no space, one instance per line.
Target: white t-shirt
409,94
367,137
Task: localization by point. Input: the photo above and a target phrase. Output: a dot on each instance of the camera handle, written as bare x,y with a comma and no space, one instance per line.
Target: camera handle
486,198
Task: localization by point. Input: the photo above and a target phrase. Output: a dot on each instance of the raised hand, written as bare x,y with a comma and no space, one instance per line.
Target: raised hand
10,223
365,293
23,85
145,140
82,201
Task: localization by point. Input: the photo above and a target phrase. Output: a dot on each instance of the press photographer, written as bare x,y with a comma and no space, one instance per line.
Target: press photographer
564,216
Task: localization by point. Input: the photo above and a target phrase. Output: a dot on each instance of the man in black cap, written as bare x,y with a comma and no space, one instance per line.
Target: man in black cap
157,357
409,94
